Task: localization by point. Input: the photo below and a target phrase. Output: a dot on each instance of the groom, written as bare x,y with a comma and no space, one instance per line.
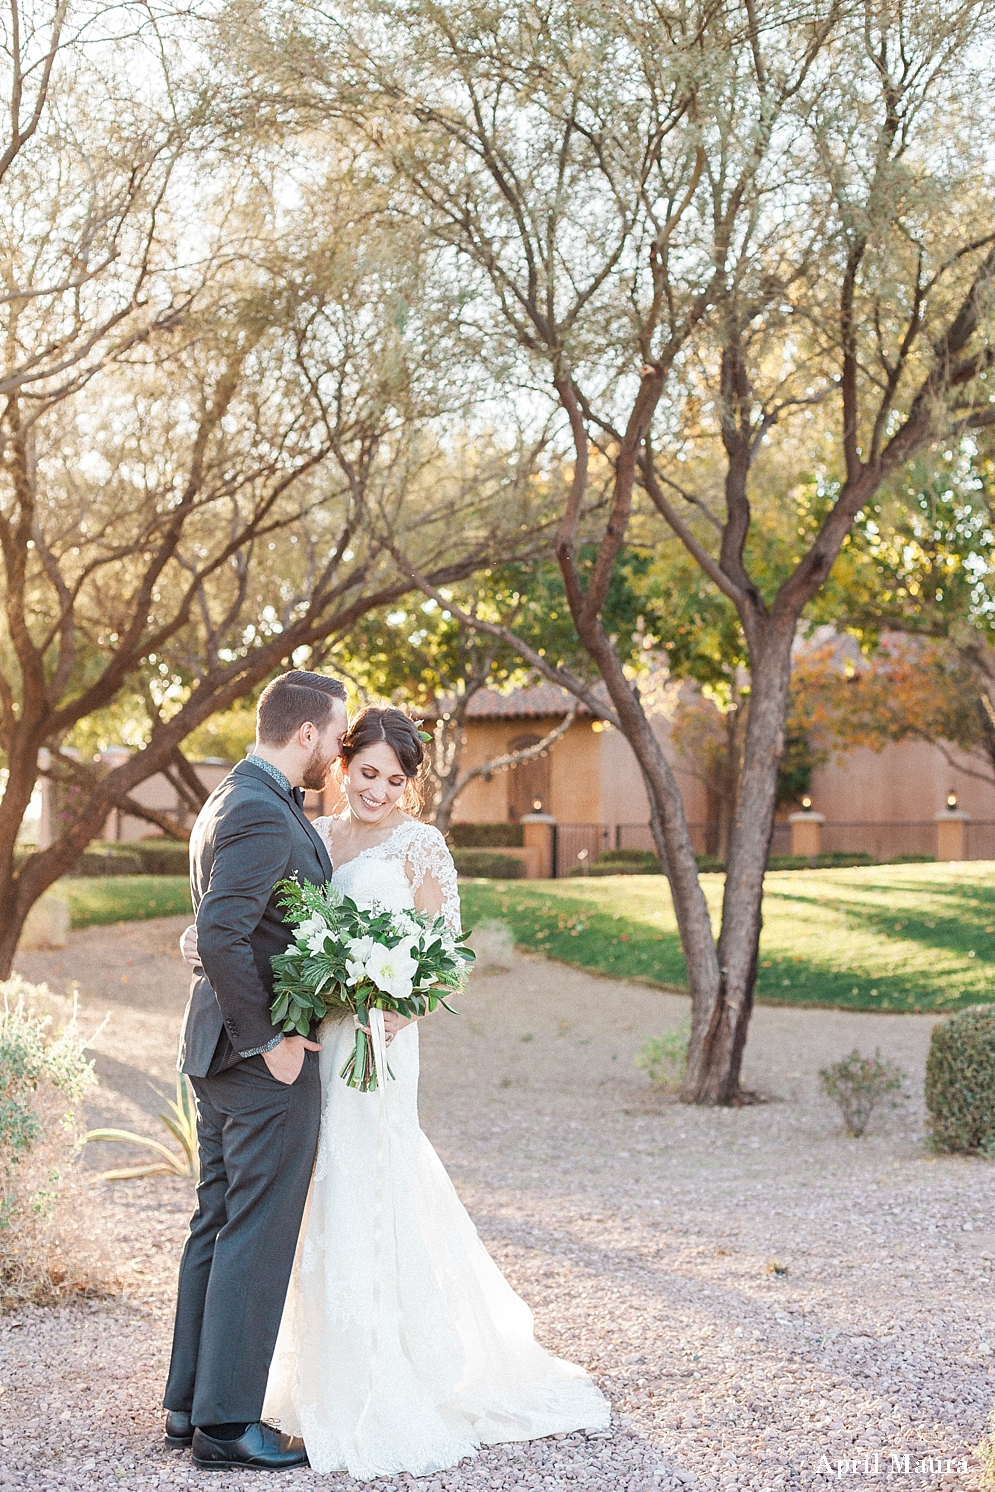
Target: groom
258,1092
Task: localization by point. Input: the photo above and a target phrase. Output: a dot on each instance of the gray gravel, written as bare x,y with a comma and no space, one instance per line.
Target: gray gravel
643,1235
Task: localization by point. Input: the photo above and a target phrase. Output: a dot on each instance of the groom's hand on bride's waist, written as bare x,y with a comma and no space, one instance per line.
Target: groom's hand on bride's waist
286,1060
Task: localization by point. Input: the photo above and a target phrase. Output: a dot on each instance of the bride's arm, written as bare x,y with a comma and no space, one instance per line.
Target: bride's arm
430,897
433,878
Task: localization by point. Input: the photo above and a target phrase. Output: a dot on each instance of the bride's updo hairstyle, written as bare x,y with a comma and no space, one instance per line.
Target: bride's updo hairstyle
378,723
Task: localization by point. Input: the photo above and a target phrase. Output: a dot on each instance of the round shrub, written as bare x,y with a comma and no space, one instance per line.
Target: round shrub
487,863
960,1081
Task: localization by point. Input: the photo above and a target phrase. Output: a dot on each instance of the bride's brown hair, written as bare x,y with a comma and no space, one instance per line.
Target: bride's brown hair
378,723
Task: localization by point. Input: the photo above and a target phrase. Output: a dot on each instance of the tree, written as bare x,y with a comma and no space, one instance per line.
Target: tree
925,561
904,689
195,512
426,658
693,230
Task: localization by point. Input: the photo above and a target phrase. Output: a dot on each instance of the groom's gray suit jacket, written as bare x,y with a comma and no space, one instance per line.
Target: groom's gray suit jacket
250,834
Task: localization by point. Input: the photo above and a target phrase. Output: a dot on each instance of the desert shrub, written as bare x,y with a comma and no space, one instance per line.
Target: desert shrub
45,1254
665,1058
985,1452
960,1081
486,836
488,863
857,1085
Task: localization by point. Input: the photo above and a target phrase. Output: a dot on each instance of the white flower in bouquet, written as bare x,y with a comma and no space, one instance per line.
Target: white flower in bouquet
393,970
340,958
312,934
357,951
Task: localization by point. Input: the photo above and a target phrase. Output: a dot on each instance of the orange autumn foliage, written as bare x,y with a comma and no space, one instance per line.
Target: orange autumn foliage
908,688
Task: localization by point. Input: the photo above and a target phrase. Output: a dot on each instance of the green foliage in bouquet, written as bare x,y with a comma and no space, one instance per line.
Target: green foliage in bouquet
360,959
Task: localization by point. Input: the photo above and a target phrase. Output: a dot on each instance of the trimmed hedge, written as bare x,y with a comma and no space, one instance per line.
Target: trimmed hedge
107,862
627,857
162,857
620,863
838,860
134,857
486,836
960,1081
484,863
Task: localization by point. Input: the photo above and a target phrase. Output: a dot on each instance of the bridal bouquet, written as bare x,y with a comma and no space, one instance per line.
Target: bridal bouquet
360,958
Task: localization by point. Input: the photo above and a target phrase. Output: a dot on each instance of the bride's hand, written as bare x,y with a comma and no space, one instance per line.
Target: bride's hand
188,946
392,1023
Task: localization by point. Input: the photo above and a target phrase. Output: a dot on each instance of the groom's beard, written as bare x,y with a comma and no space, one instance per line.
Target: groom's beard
316,770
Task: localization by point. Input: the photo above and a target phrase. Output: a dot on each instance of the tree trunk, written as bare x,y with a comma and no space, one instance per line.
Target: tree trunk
20,888
715,1059
670,831
448,785
729,783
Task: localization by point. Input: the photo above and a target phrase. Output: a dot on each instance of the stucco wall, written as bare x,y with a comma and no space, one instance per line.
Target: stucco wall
623,794
575,772
594,777
906,782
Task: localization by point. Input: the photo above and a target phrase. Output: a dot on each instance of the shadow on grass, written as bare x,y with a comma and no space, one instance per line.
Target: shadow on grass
908,956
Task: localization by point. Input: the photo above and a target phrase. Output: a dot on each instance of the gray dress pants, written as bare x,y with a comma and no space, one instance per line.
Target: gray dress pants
258,1138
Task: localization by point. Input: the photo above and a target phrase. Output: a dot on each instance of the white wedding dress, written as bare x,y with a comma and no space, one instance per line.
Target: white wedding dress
402,1346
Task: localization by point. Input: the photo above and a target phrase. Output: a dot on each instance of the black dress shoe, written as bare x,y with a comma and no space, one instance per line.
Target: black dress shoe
261,1447
179,1430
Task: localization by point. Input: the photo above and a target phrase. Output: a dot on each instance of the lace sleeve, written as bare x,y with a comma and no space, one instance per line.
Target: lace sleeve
323,827
431,871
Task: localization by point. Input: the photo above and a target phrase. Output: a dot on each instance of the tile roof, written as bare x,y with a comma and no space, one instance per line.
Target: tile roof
531,703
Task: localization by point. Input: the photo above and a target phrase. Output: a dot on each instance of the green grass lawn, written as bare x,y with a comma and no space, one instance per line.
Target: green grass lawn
890,937
125,898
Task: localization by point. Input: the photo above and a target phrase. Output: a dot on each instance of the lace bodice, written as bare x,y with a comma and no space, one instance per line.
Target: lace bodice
393,871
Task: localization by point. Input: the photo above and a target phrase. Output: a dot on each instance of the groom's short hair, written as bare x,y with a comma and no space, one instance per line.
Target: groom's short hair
293,700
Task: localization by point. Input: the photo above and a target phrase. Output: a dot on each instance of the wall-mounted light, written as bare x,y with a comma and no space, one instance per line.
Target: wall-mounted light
951,801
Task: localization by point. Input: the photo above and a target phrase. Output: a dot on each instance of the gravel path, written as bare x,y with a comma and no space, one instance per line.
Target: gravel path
643,1235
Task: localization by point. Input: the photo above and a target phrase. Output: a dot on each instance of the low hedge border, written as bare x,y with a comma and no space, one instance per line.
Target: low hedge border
488,864
486,836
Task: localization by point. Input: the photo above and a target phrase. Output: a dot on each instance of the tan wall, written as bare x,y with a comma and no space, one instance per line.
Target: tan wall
576,776
594,776
624,796
905,783
159,793
574,762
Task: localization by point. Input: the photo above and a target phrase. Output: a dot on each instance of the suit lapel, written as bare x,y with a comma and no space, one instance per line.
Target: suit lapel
314,836
290,799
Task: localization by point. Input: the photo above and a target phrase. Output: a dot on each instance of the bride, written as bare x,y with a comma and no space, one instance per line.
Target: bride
402,1346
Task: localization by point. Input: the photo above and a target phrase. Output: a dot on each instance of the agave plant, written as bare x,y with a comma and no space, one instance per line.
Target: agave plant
182,1125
